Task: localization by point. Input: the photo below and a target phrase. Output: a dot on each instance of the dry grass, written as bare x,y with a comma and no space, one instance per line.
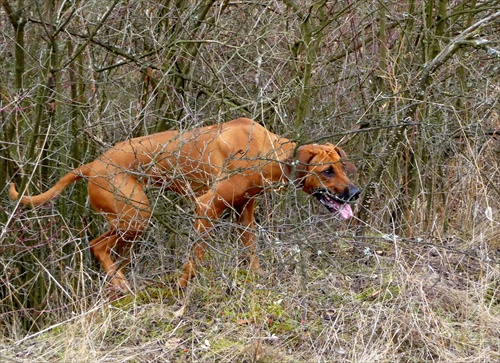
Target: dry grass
327,298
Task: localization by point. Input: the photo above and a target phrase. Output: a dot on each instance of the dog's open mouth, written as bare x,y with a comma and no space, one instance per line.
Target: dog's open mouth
334,205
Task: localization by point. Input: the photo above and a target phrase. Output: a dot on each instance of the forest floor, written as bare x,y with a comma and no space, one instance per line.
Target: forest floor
401,301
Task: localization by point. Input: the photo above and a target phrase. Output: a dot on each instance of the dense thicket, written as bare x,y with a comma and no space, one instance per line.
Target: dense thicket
409,88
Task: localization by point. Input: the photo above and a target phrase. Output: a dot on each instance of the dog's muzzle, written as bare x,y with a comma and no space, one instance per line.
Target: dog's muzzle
338,203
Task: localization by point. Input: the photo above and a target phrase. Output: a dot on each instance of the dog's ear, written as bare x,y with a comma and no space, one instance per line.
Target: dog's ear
350,167
296,167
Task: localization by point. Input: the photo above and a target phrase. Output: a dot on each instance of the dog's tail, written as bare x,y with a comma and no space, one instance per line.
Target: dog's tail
53,192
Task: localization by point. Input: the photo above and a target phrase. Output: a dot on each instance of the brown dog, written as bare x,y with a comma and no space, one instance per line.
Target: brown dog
221,166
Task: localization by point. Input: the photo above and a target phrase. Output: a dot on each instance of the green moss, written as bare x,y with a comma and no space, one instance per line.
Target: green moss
148,295
377,293
223,344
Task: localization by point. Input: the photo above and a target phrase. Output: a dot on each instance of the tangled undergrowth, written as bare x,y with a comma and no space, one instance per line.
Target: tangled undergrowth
378,299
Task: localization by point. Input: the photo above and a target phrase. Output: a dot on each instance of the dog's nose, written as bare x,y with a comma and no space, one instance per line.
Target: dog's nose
350,193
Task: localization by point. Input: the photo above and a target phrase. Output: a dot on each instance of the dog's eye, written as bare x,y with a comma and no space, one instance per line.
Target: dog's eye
329,171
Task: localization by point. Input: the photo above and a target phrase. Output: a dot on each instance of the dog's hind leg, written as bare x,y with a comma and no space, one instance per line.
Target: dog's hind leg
101,247
122,201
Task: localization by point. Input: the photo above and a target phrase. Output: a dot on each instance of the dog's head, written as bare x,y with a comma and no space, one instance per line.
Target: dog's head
321,170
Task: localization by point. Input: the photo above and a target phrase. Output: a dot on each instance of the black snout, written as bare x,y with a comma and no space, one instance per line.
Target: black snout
350,193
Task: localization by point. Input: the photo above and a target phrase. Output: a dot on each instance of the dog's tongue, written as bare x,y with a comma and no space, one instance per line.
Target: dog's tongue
333,206
345,211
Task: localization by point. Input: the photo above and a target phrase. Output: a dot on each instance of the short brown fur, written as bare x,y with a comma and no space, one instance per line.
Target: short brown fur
219,167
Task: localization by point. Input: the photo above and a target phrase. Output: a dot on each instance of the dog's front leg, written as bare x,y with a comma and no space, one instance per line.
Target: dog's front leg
189,267
209,207
247,229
